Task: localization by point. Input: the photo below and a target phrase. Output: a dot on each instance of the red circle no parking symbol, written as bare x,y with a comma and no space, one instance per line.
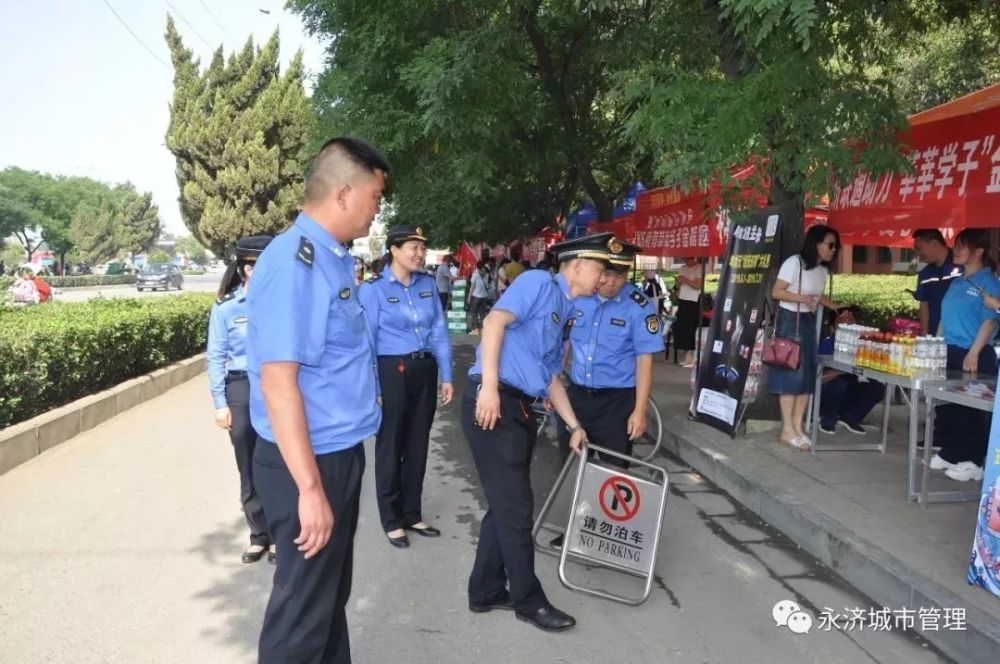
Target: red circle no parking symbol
619,498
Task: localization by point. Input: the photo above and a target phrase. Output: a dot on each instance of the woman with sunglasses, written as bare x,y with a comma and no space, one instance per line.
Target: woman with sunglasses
799,291
968,323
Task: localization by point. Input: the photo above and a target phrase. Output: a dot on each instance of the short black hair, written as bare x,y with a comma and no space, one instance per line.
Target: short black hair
929,235
361,152
337,161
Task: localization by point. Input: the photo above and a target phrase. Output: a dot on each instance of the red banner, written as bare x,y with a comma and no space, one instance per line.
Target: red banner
467,260
955,184
671,223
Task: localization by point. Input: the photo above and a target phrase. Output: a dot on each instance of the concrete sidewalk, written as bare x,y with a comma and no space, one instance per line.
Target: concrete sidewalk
849,510
122,545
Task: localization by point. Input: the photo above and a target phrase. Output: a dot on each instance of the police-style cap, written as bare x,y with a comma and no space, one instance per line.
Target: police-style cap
249,248
596,247
397,236
623,253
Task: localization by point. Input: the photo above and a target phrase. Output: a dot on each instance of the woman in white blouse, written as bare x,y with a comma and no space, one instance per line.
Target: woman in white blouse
799,291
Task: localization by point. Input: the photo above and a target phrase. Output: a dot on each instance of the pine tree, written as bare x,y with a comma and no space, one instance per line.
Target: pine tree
238,133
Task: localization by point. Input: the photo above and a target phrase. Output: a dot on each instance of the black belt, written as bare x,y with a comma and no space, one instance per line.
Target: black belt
419,355
507,389
235,375
601,391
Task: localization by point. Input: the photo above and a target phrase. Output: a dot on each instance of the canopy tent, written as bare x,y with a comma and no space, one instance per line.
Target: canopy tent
955,152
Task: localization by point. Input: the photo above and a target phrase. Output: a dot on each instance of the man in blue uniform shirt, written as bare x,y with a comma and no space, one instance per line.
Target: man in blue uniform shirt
613,339
313,401
517,362
934,278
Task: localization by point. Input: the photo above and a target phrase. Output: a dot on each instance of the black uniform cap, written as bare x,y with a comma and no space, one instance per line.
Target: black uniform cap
248,249
623,253
595,247
397,236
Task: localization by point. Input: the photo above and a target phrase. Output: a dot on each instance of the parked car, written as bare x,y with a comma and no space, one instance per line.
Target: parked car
160,275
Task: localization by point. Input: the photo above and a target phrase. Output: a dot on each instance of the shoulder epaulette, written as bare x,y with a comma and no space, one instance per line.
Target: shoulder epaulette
638,298
305,252
225,298
372,279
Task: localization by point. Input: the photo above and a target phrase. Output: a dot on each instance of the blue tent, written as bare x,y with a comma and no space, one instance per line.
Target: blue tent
579,220
627,204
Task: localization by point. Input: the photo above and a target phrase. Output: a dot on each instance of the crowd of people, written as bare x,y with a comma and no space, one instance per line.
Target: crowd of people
305,364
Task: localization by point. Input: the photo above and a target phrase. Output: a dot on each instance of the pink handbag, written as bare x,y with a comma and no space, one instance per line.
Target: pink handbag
781,352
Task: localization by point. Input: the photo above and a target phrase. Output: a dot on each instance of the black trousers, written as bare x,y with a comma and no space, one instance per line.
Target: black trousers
505,554
603,414
963,433
686,324
305,621
409,399
444,300
244,440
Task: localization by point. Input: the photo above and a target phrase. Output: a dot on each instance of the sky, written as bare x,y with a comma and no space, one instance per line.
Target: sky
79,95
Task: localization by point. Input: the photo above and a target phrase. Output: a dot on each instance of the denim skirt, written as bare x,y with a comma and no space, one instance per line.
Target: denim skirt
802,380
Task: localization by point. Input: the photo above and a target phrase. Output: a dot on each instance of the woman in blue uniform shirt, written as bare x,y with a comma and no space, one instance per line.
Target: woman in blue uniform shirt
404,314
227,362
968,324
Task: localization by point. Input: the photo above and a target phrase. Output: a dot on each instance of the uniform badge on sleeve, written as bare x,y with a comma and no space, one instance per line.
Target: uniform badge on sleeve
652,323
345,293
305,252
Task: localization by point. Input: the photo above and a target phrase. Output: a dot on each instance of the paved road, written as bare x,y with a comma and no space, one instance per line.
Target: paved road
201,283
123,545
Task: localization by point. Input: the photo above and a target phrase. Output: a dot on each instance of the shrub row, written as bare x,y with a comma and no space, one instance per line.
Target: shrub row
80,281
878,297
56,353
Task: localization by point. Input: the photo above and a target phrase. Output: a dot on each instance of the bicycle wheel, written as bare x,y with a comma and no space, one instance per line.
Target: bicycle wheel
648,444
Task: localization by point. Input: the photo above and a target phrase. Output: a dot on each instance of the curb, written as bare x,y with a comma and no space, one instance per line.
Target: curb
870,569
26,440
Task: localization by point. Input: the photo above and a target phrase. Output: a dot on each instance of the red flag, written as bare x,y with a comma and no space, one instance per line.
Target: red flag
467,260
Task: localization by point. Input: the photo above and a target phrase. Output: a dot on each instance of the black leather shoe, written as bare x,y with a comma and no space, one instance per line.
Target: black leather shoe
252,556
548,618
399,542
272,556
429,531
502,602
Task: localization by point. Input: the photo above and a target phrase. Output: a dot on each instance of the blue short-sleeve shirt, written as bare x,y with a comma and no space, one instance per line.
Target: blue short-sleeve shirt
963,310
533,345
406,319
607,335
226,351
304,308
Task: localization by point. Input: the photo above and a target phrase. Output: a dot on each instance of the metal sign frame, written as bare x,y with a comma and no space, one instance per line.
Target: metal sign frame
565,555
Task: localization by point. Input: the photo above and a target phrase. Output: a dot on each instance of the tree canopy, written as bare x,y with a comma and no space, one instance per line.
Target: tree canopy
237,131
75,213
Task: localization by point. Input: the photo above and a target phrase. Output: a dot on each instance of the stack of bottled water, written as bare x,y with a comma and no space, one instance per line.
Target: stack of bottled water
930,358
845,341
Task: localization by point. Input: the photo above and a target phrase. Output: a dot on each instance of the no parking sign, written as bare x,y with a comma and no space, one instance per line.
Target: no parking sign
615,519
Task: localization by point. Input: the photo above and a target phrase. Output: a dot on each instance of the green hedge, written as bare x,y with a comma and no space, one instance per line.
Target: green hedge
59,352
878,297
81,281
